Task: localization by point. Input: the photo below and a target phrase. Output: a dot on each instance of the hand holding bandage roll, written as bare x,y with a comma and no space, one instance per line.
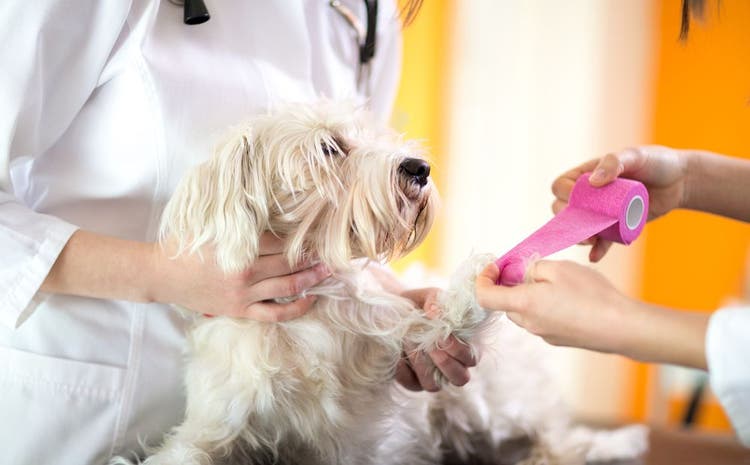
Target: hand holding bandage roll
616,212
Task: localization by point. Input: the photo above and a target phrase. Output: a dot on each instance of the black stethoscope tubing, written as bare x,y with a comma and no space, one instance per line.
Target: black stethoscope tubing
195,12
367,49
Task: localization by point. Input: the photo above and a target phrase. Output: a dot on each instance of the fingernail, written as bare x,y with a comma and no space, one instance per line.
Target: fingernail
323,270
598,175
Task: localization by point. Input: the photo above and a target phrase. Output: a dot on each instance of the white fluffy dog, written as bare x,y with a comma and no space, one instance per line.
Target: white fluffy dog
320,389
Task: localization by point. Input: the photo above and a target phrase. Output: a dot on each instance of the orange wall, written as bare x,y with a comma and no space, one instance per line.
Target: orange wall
702,100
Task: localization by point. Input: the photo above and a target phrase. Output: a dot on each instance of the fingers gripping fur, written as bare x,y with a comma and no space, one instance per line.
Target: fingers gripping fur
460,313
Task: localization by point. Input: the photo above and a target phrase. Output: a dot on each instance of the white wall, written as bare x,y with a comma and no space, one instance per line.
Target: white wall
538,87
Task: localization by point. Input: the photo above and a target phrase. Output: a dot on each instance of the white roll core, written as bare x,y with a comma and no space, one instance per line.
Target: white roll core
634,213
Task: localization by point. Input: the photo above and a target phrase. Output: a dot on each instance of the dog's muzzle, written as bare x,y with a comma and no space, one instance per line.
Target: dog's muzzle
416,169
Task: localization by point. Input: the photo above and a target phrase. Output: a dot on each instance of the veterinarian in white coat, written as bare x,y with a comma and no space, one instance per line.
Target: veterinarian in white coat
103,107
572,305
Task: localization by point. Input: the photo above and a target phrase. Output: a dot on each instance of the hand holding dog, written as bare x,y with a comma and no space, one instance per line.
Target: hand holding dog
415,372
100,266
453,360
199,285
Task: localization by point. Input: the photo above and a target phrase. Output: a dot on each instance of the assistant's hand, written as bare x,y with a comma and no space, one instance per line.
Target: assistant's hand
565,303
662,170
199,285
453,360
572,305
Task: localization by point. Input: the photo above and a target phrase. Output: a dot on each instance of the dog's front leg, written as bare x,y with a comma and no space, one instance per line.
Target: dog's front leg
459,314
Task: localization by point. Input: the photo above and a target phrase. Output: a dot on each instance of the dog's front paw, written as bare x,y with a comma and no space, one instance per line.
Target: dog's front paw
458,303
460,313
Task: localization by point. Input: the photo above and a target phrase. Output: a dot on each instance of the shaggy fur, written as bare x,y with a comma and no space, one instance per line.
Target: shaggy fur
320,389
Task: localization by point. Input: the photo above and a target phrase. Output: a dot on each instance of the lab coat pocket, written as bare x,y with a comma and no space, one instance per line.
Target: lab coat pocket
56,411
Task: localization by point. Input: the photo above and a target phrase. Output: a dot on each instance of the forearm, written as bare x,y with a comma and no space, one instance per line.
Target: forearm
718,184
654,334
94,265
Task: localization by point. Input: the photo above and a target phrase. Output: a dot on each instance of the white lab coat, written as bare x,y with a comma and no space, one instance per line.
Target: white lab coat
104,104
728,357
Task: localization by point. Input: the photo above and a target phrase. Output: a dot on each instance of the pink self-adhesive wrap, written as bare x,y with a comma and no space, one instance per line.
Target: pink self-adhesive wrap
616,212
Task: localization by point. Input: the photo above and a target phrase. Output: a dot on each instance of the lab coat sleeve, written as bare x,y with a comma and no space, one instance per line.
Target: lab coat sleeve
728,356
51,57
386,64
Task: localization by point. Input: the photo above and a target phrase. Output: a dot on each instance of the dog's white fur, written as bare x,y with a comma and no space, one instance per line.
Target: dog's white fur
320,389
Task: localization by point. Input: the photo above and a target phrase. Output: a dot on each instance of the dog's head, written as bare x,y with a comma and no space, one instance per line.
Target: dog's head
326,177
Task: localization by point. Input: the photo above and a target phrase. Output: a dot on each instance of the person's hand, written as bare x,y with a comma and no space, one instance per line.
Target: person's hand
564,303
568,304
662,170
454,359
199,285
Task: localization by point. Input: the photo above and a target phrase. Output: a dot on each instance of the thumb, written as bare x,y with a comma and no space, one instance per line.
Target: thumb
608,168
489,275
496,297
613,165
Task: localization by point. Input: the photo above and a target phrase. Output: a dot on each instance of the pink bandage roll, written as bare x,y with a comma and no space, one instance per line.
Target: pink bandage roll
616,212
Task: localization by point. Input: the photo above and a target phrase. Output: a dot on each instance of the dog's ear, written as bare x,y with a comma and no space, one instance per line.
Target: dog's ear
221,204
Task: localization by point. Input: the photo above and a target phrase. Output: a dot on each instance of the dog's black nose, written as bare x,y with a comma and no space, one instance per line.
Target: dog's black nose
416,168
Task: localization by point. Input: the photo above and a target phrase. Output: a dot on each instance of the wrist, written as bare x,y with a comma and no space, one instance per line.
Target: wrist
626,327
155,266
693,168
718,184
635,329
141,278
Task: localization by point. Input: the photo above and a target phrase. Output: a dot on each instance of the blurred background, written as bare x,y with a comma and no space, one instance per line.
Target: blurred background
508,94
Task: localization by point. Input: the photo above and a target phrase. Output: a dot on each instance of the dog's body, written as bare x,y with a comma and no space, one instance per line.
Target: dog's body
320,389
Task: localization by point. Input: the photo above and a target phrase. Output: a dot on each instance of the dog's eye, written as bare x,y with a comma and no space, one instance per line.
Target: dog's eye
333,147
328,149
